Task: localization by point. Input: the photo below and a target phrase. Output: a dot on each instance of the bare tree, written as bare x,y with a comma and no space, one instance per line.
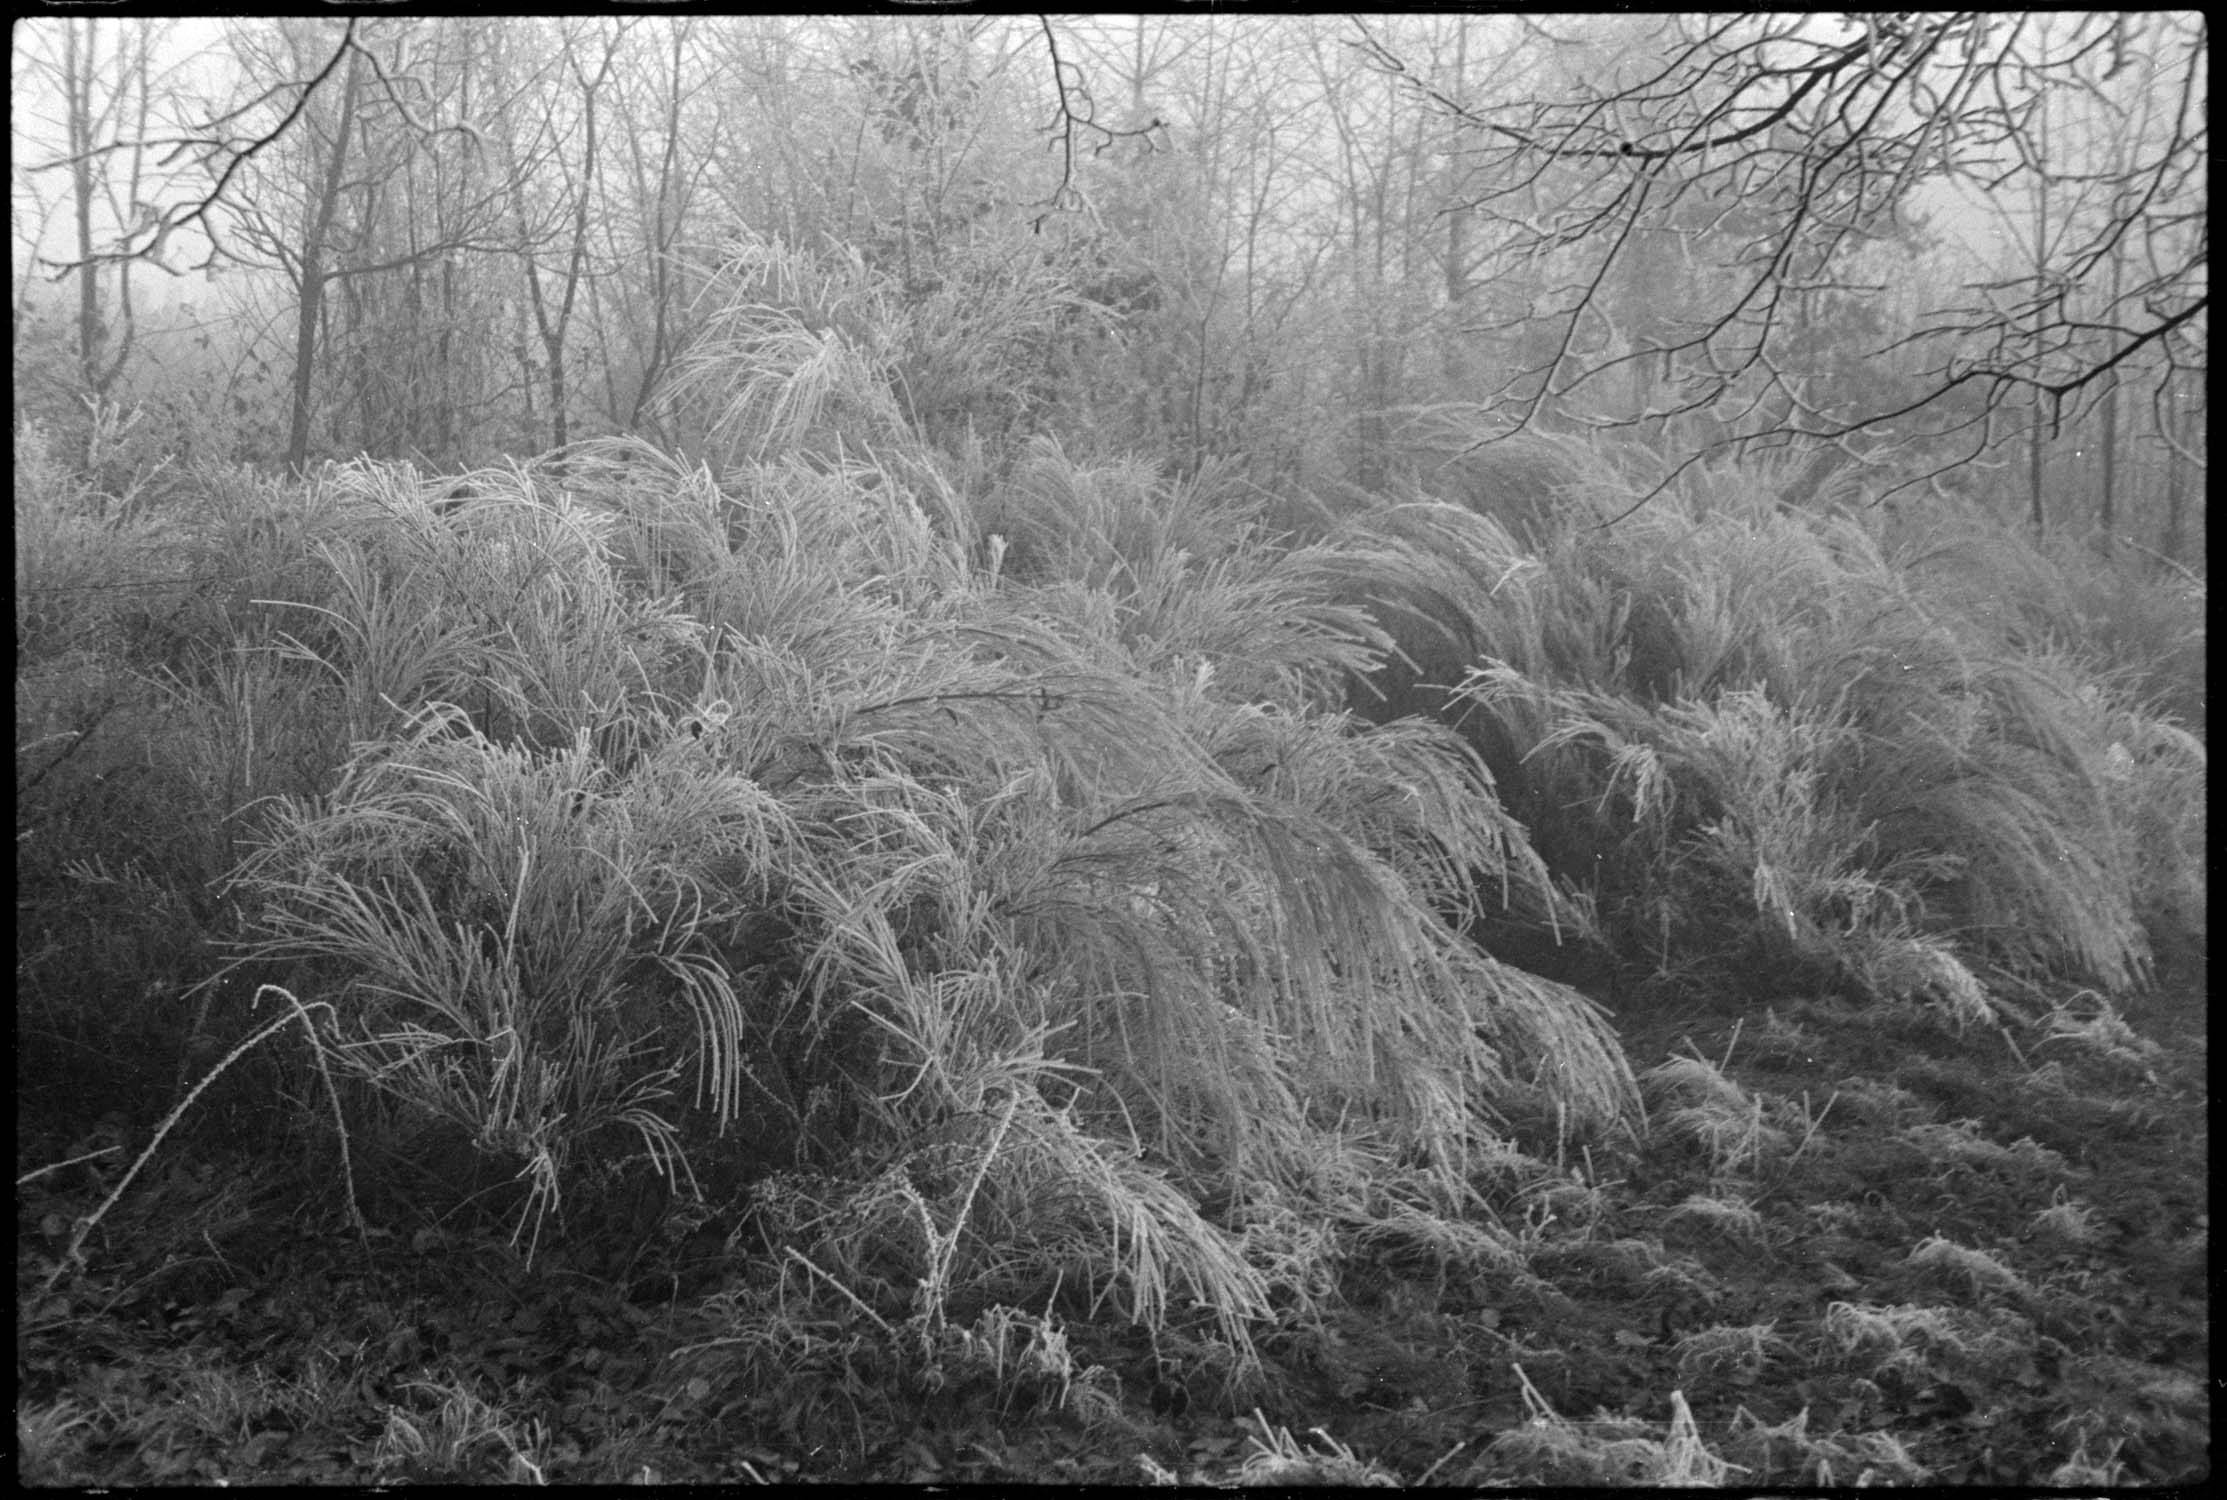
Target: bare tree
1795,141
553,198
419,254
1075,129
651,179
302,192
101,78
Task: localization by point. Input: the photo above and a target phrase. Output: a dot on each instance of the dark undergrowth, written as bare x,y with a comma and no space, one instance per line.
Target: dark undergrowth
1858,1249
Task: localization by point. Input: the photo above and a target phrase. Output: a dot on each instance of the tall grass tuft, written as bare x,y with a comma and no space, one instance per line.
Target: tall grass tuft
1751,736
1033,923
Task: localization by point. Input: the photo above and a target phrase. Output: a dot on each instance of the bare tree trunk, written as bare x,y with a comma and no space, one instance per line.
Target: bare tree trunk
1457,230
313,271
2109,515
2036,505
2175,535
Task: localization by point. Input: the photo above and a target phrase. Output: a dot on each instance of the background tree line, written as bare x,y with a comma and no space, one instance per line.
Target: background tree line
1946,250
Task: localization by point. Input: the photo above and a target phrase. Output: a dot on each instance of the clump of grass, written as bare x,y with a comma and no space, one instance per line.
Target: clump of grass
1751,734
51,1439
1734,1218
1740,1352
1696,1102
1917,1342
2070,1223
1552,1449
1789,1453
1042,908
1976,1270
1276,1457
446,1430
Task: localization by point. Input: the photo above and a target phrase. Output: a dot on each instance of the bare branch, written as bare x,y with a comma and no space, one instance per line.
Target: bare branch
1783,146
1074,117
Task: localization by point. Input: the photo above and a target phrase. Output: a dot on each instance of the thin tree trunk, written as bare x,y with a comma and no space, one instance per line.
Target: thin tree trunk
2109,515
313,273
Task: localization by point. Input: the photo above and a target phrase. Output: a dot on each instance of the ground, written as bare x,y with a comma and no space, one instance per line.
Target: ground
1857,1247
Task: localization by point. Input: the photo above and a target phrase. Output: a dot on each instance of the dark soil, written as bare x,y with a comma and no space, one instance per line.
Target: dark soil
1939,1258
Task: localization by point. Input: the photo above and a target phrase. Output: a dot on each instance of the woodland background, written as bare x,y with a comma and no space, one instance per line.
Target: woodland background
1325,246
